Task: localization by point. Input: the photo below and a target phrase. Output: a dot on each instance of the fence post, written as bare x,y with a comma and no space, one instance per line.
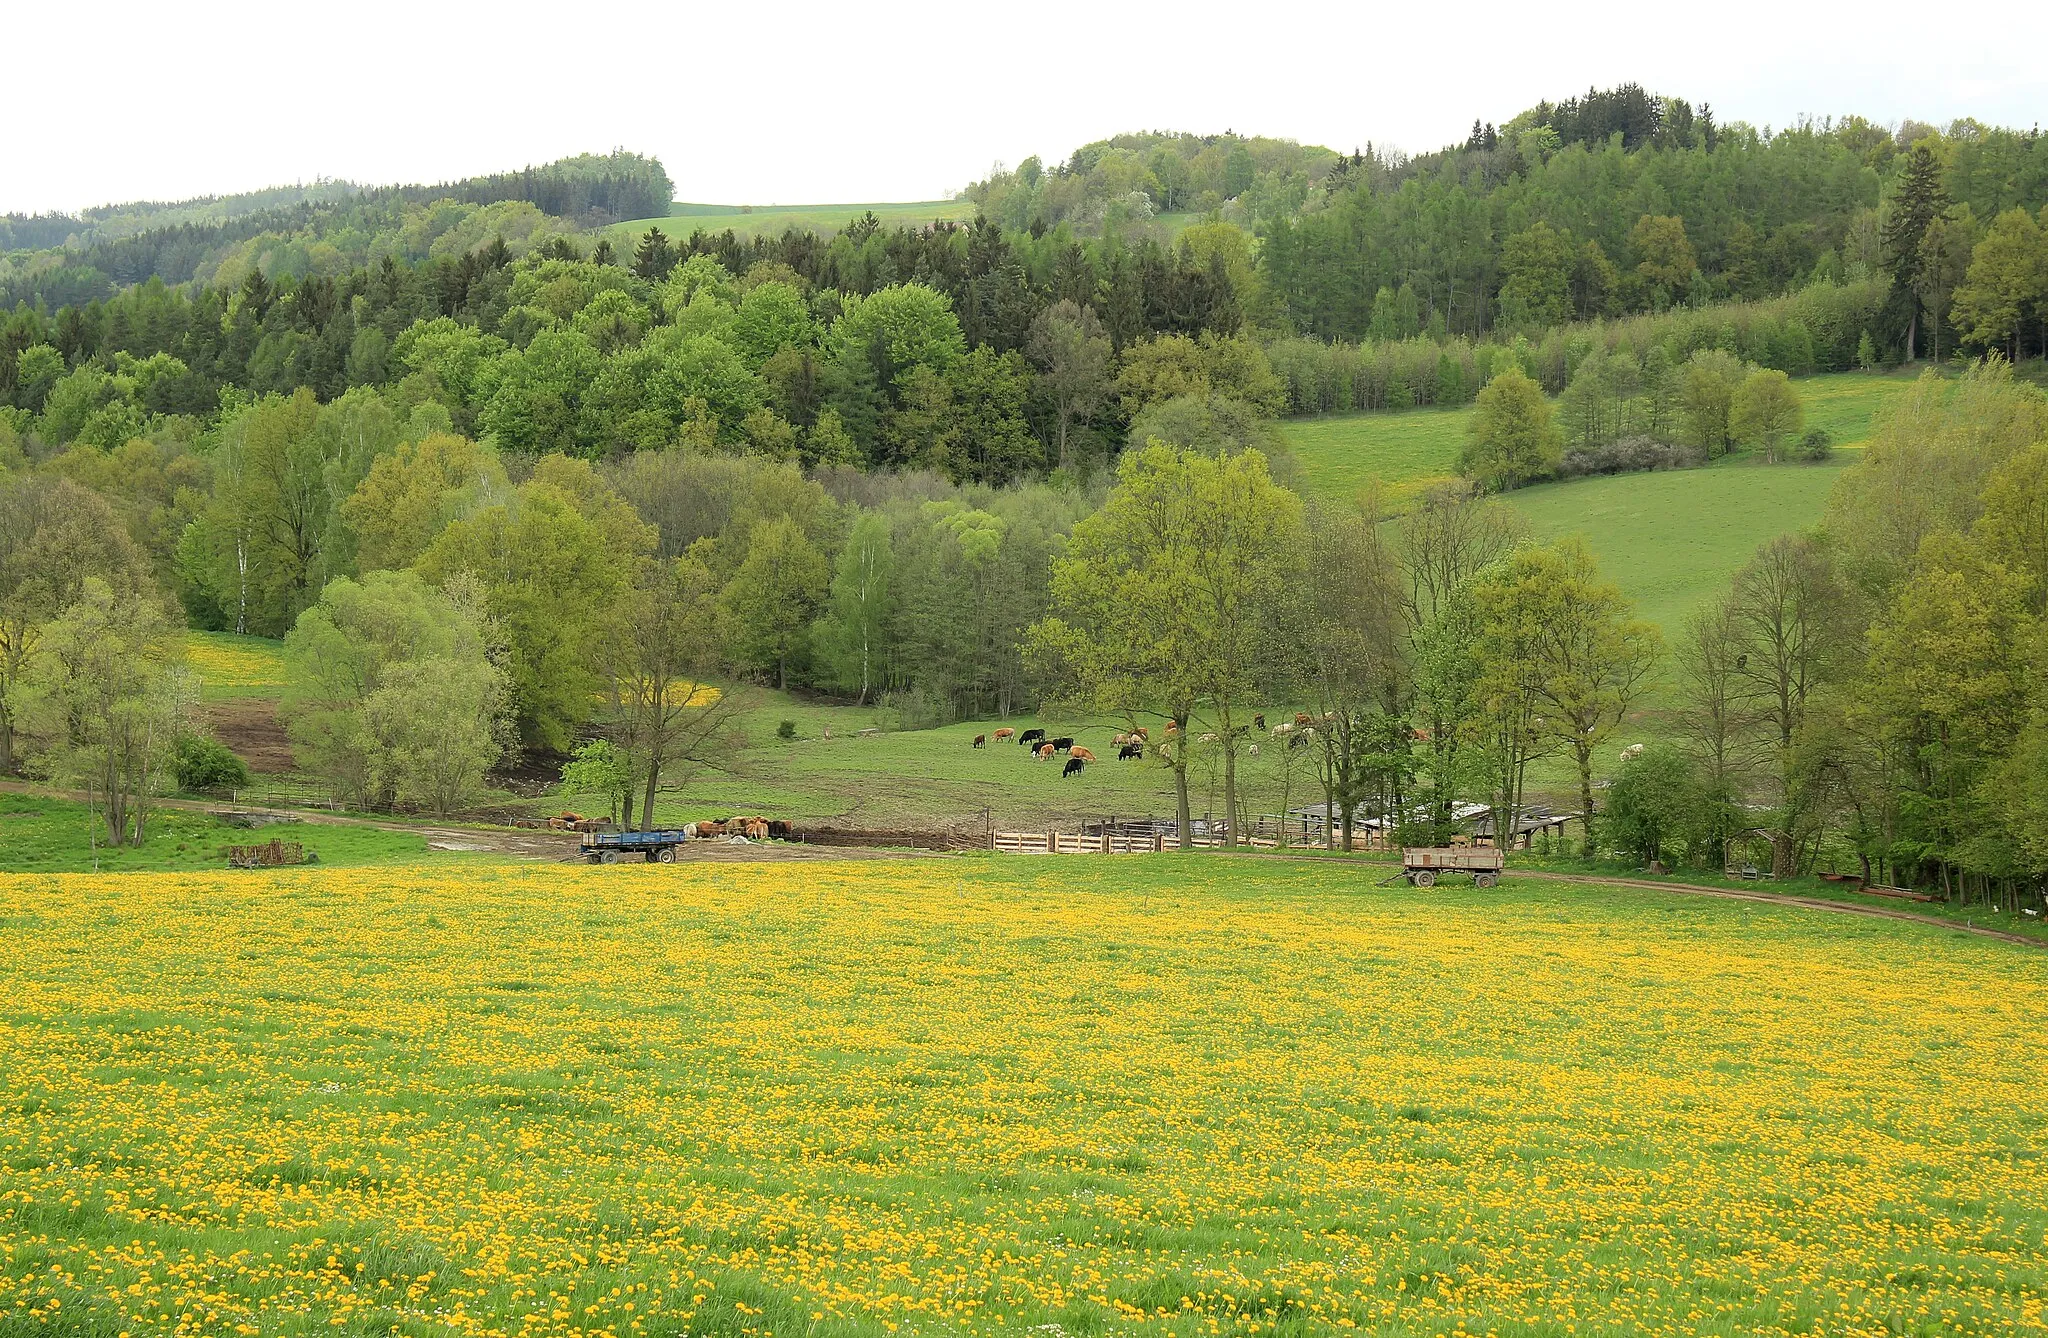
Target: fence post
1052,843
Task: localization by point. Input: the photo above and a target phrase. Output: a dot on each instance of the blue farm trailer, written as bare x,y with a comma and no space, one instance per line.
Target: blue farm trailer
611,847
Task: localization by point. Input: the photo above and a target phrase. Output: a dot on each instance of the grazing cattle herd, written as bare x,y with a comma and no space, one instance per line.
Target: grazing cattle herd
1296,733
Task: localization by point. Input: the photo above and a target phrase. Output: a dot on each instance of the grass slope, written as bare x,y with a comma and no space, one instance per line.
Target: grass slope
1672,539
1341,453
752,220
39,835
990,1097
231,667
937,779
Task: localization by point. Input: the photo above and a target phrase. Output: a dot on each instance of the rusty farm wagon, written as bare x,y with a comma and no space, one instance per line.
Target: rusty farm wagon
1423,865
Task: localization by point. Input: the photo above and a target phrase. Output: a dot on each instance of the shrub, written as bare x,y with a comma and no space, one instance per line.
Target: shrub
207,764
786,730
1628,455
1653,796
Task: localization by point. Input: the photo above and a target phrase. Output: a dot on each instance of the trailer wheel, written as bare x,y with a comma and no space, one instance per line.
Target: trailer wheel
592,858
1424,877
667,855
609,857
1485,879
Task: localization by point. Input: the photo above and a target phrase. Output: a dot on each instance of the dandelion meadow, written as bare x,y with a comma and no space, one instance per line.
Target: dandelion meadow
1152,1095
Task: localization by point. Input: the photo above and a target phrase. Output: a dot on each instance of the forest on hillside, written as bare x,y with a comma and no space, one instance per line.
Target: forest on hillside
485,474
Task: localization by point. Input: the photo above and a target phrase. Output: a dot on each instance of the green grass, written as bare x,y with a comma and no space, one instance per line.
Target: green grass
1847,404
39,835
936,779
1341,453
987,1097
753,220
230,667
1672,539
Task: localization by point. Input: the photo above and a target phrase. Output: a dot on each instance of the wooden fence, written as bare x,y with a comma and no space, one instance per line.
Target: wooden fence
1078,843
1110,841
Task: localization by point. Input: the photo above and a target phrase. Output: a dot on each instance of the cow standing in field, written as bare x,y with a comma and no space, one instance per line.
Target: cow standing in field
1129,751
1030,736
1005,733
1082,754
1259,720
1073,767
1044,753
981,740
1062,745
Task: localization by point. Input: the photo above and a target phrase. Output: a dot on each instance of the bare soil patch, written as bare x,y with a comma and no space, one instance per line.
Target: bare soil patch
251,730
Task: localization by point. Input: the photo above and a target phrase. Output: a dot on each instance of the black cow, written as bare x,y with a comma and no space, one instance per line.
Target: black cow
1030,736
1074,764
1129,751
1062,745
1259,721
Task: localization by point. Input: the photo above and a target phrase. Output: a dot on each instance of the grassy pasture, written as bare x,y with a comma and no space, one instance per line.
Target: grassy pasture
1673,539
1341,453
981,1096
754,220
39,835
231,667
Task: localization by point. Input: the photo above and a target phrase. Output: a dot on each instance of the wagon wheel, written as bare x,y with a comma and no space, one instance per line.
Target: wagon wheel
1485,879
1425,878
593,859
651,856
609,857
667,855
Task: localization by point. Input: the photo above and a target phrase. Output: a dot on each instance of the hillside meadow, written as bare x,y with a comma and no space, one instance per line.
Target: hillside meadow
1405,452
1670,538
748,221
972,1096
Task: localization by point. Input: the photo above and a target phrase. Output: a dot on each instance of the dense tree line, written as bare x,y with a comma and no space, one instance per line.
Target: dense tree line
321,229
1528,226
1128,179
960,349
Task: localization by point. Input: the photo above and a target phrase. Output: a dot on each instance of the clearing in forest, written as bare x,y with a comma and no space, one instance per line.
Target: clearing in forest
991,1096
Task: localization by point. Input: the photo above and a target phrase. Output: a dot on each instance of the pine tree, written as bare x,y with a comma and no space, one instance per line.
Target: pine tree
1917,202
654,257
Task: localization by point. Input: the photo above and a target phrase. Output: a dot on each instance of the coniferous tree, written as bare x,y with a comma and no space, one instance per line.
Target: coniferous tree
654,257
1917,202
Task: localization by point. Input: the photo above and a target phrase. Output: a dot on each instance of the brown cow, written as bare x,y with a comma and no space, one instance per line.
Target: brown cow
1045,752
1081,753
981,740
1140,734
1005,733
1301,717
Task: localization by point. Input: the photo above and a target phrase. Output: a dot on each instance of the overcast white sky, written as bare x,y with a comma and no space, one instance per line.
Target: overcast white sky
795,102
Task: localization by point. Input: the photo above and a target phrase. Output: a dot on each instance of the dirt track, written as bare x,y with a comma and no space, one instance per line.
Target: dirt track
561,847
518,842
